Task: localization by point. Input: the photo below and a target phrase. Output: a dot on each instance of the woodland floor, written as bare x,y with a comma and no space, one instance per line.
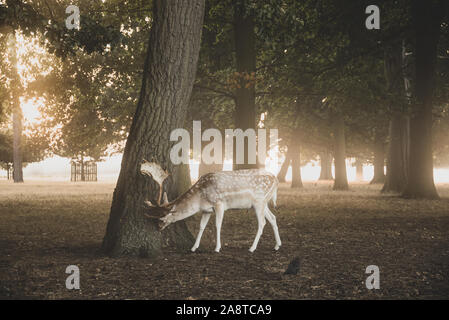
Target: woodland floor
46,226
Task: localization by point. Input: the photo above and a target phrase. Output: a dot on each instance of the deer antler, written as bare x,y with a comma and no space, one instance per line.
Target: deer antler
158,174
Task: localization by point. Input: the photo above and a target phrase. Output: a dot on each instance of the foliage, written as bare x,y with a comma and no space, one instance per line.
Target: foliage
33,149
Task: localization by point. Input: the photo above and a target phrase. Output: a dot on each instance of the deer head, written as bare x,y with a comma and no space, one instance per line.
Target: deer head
162,212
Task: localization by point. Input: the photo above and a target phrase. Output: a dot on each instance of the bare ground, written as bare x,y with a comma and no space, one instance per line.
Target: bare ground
46,226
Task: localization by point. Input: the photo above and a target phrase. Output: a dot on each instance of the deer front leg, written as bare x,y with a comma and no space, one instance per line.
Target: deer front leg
204,220
219,212
260,213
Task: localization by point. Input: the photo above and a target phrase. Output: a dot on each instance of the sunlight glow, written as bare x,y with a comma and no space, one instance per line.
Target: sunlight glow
29,54
58,169
31,110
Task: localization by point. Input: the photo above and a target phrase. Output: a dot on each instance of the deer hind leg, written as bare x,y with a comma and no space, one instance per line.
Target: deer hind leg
204,220
219,212
259,209
272,220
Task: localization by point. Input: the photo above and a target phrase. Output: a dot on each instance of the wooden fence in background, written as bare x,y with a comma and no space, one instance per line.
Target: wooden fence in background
90,171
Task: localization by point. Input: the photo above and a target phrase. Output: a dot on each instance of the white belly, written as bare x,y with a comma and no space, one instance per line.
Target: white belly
239,201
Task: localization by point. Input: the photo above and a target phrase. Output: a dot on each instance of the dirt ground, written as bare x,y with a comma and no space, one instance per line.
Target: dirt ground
46,226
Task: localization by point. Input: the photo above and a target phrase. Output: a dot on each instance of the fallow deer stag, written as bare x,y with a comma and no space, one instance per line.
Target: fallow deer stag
217,192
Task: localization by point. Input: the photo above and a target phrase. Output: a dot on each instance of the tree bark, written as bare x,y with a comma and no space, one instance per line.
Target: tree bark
169,73
426,19
245,95
183,180
341,179
326,166
284,168
379,158
396,69
396,178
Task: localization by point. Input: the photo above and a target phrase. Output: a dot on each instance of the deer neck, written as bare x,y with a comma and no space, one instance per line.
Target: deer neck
185,206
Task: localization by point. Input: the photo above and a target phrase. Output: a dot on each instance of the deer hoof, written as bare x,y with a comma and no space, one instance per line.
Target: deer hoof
194,249
252,249
276,247
217,249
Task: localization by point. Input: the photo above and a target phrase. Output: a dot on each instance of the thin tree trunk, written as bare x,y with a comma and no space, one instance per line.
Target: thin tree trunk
284,168
341,179
426,19
379,158
245,96
16,113
296,166
83,176
169,73
17,143
359,169
326,166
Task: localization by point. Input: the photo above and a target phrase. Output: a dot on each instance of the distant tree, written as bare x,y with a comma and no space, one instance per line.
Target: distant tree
379,157
341,180
326,165
33,149
396,67
245,53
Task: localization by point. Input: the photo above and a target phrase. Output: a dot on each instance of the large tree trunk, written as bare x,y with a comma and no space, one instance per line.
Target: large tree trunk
341,179
284,168
169,73
397,155
183,179
379,158
426,18
245,96
326,166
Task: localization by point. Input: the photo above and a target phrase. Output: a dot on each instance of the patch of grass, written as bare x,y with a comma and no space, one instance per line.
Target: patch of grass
46,226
